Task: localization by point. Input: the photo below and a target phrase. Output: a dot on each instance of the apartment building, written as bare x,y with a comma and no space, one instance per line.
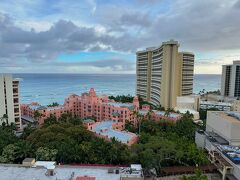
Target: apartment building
231,80
163,74
9,100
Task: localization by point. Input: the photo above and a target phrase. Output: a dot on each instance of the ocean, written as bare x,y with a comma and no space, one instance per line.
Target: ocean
49,88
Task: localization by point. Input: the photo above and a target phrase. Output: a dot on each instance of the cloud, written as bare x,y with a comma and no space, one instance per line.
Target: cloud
113,64
38,32
63,36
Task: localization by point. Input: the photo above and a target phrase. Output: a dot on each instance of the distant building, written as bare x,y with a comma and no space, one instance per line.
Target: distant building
231,80
9,100
221,106
189,104
100,108
163,74
222,142
159,115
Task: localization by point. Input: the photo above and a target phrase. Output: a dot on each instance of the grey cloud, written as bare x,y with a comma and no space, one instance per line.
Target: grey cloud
237,4
200,26
63,36
138,19
113,64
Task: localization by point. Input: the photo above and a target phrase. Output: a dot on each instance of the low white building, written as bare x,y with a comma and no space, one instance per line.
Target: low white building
221,106
188,103
222,141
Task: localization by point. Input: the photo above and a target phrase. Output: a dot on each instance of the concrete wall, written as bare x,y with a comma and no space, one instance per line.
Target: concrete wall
223,80
225,126
10,104
2,97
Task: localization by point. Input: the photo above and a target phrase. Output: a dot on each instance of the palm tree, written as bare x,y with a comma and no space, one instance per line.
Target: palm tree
167,113
4,118
149,114
37,115
160,108
139,118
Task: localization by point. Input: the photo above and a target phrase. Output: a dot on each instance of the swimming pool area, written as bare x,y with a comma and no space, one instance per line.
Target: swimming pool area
105,129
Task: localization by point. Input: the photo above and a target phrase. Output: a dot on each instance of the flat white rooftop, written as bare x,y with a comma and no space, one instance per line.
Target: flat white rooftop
12,172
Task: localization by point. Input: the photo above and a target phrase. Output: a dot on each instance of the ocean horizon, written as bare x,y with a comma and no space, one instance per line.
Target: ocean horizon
47,88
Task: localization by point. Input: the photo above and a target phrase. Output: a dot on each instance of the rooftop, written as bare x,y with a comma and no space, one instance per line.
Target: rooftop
55,107
88,121
39,107
122,105
105,128
216,103
160,113
163,113
184,110
215,138
232,116
231,152
9,172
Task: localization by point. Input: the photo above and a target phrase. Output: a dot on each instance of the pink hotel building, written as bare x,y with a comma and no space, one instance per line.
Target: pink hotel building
86,105
110,116
99,107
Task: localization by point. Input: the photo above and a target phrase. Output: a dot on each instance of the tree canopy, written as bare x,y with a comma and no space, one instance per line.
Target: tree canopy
66,141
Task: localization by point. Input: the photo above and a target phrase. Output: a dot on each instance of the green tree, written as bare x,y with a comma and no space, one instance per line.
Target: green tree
46,154
7,137
198,176
36,116
15,153
9,154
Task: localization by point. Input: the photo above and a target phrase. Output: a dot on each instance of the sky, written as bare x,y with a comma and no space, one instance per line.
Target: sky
102,36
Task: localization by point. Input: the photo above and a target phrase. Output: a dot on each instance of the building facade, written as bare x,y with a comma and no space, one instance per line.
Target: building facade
87,105
222,142
99,108
187,68
9,100
163,74
230,85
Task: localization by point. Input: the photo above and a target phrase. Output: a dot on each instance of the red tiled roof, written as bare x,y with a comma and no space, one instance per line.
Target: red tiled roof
85,178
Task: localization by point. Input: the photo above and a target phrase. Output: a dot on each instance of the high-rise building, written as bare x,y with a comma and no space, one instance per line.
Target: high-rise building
9,100
187,68
163,74
231,80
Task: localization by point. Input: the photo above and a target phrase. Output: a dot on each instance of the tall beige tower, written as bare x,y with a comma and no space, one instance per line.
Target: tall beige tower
163,74
9,100
187,71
